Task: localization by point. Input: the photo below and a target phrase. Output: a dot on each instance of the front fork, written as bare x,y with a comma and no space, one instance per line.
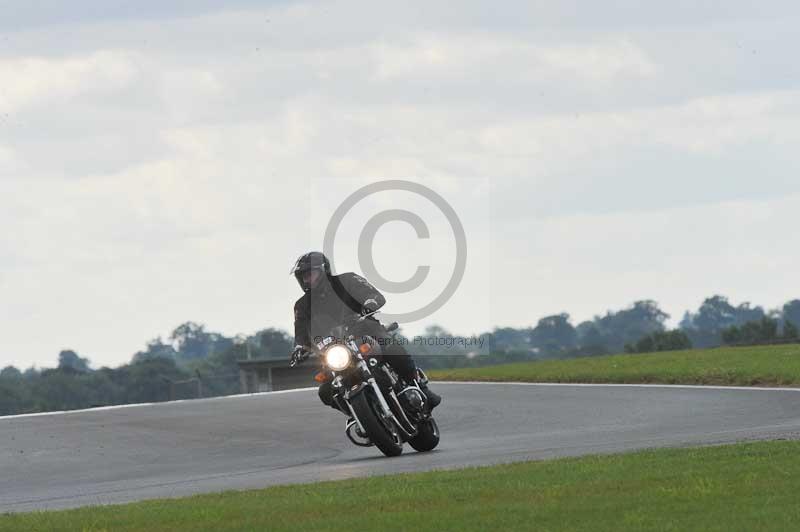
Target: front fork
406,428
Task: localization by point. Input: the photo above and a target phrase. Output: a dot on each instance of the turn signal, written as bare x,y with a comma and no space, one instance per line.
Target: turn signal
322,377
365,349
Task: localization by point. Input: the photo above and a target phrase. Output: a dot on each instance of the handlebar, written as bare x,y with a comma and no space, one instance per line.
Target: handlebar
349,323
297,359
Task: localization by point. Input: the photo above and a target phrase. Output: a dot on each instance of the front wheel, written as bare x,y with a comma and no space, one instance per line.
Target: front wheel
427,437
382,433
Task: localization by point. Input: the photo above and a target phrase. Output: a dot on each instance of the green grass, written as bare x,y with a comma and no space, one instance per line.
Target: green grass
740,366
753,486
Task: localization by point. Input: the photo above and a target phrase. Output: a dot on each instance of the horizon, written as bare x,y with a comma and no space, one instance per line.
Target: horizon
670,323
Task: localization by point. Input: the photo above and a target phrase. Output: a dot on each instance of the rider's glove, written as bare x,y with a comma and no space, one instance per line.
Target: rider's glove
299,354
369,306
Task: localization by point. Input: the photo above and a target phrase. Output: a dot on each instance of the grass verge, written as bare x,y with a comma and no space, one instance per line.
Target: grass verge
736,366
753,486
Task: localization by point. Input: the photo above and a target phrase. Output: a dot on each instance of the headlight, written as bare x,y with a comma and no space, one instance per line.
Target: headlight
337,357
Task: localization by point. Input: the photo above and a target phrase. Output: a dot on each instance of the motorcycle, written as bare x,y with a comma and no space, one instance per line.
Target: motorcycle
384,410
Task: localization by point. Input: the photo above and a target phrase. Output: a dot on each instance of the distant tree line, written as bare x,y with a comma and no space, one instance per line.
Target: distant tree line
641,328
193,360
764,331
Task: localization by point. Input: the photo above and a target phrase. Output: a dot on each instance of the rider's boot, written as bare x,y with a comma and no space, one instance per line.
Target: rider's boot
433,398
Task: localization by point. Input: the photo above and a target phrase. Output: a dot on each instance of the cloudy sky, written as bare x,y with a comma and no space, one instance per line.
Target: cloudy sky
167,161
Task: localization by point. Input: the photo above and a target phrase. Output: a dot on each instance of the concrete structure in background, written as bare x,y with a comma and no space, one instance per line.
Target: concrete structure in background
268,375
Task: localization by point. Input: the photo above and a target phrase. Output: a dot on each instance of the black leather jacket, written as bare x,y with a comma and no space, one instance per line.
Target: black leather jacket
330,304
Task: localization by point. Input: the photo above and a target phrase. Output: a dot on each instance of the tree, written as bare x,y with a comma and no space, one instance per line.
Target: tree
791,311
675,340
69,361
790,331
156,348
273,342
554,334
14,396
762,331
11,373
194,342
715,315
616,329
60,389
149,380
508,339
590,339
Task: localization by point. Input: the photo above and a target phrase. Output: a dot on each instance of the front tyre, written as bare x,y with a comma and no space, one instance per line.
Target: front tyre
427,437
381,433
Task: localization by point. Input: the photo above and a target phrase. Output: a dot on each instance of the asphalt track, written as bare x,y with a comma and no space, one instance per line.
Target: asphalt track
174,449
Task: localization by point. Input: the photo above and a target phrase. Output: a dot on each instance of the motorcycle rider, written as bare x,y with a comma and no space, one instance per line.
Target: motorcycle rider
330,300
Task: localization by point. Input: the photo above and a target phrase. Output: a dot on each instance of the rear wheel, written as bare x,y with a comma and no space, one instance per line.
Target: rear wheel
427,437
381,432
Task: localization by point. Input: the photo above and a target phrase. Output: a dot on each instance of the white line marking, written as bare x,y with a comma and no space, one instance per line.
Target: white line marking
612,385
119,407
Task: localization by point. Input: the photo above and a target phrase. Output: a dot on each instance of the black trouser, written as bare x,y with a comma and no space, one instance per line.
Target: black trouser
393,353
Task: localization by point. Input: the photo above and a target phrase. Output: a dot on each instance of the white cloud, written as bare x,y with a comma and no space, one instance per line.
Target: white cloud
703,151
487,56
6,156
32,81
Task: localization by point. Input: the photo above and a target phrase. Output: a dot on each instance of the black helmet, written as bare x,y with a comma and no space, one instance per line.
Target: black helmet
313,260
